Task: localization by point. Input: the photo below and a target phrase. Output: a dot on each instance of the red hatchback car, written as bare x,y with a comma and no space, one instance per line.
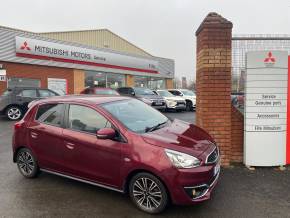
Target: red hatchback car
121,144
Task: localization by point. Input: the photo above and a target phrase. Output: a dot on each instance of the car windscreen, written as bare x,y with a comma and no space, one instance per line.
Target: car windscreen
143,91
105,92
135,115
164,93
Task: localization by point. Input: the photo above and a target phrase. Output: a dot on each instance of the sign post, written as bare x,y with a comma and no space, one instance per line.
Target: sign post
2,75
266,108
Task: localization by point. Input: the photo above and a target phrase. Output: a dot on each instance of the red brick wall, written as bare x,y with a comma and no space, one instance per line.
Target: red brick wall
213,81
42,73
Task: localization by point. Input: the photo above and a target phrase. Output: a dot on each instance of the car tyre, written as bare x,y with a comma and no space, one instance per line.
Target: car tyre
188,106
27,163
148,193
13,113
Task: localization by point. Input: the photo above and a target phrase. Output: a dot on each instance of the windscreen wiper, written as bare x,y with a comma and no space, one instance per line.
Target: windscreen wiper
150,129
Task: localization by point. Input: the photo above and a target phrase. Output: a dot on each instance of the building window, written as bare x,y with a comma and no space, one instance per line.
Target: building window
149,82
141,81
115,80
94,78
22,82
101,79
156,83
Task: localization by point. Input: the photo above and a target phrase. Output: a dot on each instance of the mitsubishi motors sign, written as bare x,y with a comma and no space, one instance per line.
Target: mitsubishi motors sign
44,50
266,114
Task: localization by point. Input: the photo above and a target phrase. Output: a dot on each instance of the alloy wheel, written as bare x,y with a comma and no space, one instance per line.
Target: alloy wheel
14,113
147,194
26,163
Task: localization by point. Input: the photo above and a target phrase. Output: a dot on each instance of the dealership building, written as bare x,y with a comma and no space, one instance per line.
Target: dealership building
69,61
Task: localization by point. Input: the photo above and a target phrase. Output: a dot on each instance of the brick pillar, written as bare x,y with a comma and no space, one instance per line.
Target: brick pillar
130,80
79,81
213,81
169,83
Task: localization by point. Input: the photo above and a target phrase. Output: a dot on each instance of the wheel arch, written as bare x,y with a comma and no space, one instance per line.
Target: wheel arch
14,105
135,172
16,152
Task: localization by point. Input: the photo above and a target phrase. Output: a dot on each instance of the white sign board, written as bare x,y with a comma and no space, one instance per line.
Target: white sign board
39,49
57,85
2,75
265,108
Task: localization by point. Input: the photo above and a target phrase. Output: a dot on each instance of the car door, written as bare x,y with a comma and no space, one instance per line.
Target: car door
86,156
45,136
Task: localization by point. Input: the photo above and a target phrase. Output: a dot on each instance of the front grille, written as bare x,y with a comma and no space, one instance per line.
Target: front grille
213,156
158,104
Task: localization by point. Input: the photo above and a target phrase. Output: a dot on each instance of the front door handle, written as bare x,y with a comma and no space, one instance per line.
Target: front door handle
70,146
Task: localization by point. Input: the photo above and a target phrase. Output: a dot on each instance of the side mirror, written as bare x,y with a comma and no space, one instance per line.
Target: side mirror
106,133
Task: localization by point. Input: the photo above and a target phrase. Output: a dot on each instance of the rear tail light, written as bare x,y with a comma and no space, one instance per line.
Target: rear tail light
18,125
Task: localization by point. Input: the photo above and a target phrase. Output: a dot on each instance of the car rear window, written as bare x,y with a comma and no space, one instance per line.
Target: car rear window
50,114
45,93
105,92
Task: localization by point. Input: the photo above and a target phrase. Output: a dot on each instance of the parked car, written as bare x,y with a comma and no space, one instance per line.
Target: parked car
99,91
238,99
188,95
144,94
172,102
118,143
14,102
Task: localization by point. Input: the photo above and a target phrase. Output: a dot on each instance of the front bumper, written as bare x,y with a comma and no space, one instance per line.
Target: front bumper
201,179
159,107
177,106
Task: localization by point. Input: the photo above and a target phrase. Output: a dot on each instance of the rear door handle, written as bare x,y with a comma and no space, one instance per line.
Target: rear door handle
33,135
70,146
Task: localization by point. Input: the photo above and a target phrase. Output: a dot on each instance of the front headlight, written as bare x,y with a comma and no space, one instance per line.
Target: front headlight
146,100
171,102
181,160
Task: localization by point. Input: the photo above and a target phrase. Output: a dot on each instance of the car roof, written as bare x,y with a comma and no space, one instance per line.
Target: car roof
27,87
89,99
101,88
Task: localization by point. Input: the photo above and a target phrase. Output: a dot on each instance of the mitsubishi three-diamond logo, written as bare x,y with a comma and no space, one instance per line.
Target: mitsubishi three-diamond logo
25,46
270,60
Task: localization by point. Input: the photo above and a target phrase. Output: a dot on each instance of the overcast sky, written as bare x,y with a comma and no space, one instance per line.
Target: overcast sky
163,28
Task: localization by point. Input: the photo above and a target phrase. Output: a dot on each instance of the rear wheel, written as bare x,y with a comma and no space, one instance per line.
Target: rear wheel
27,163
148,193
13,113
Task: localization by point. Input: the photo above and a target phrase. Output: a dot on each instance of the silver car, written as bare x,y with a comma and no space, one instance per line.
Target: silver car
172,102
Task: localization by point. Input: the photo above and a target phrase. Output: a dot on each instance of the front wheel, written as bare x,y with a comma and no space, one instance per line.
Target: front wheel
148,193
27,164
188,106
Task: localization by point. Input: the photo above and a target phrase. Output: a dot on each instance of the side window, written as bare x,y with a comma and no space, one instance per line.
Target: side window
44,93
30,93
85,119
178,93
50,114
173,92
52,93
